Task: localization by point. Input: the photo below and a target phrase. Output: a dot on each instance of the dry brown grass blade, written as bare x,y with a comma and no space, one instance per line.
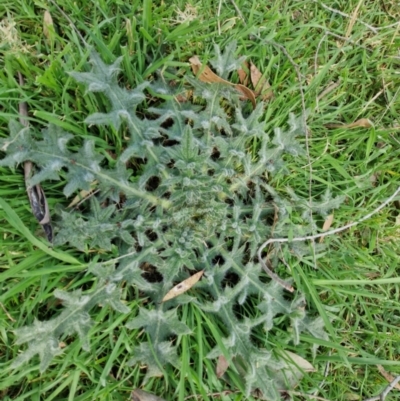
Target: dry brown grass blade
184,286
83,194
328,89
299,361
387,376
48,25
327,225
205,74
361,123
261,86
353,19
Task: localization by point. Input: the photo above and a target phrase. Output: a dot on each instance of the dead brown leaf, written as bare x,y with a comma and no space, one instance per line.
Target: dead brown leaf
261,86
255,75
361,123
248,93
327,225
387,376
184,286
222,366
300,362
243,74
205,74
48,25
140,395
184,96
38,201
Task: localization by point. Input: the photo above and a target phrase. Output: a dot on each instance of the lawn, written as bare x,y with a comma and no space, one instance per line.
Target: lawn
334,61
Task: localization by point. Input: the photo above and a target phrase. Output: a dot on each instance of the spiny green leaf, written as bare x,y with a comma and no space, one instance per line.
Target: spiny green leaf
101,76
226,62
188,192
18,146
155,357
160,324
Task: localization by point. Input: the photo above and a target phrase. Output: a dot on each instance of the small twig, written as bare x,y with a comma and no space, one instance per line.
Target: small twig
284,284
353,42
372,28
300,77
71,23
334,10
385,392
238,11
379,28
336,36
274,276
370,101
310,396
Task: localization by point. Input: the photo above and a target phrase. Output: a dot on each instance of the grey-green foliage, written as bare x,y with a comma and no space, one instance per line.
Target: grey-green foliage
200,202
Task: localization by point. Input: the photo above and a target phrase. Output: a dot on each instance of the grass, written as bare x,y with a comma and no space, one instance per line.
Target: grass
351,284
